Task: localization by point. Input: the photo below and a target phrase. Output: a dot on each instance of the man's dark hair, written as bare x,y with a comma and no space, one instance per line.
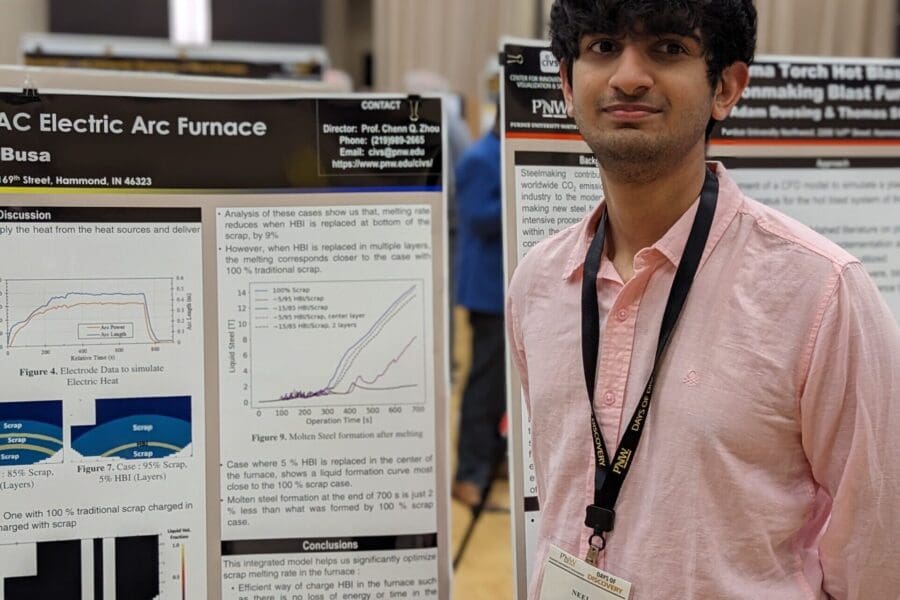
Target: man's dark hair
727,27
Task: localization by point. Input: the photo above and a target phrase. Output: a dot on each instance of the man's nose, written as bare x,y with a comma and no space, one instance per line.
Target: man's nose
633,75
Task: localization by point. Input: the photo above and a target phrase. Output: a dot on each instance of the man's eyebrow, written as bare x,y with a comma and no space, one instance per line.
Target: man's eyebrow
691,36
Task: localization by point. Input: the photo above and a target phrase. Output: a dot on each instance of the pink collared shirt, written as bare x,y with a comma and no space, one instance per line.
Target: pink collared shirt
769,468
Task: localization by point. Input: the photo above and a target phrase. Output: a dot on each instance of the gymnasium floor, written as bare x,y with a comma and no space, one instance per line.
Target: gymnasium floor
485,571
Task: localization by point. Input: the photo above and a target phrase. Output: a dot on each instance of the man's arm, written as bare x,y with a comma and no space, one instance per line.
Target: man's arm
514,335
850,420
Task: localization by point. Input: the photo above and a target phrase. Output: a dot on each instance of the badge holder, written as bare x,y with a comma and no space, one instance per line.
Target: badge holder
601,521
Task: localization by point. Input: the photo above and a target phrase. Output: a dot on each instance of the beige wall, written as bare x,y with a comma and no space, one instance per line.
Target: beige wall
18,17
347,34
454,38
828,27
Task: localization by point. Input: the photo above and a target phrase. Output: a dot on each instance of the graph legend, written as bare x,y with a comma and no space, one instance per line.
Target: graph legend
347,343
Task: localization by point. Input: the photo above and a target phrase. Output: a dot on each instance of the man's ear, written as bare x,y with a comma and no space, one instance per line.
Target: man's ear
729,90
564,70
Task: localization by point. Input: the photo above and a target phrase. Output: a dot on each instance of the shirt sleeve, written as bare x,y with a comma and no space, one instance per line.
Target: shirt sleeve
514,334
850,426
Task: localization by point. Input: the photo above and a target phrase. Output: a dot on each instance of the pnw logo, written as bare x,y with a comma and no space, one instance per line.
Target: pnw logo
549,109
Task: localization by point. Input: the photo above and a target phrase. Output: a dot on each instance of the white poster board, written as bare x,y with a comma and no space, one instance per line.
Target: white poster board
216,397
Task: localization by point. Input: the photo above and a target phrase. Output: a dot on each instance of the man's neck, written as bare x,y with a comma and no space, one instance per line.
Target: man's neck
641,213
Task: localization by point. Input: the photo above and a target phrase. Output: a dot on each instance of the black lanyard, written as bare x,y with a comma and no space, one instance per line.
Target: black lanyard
609,477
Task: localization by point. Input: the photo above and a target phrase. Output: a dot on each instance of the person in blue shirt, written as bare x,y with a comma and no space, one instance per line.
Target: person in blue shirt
479,288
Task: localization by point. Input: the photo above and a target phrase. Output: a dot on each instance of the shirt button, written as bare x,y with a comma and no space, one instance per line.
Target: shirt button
622,314
609,398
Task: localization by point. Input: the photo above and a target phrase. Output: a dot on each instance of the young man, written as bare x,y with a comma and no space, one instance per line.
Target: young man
767,411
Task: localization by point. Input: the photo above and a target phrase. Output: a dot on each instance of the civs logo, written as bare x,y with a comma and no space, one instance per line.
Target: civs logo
549,64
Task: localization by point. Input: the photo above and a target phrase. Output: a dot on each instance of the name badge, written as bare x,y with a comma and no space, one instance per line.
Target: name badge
569,578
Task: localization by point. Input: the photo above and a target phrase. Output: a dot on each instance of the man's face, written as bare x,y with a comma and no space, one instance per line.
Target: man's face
641,102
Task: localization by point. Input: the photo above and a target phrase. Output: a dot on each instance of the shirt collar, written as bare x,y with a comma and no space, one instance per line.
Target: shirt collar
671,245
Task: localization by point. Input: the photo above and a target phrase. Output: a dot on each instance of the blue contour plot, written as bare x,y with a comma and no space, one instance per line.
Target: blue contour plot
136,428
30,432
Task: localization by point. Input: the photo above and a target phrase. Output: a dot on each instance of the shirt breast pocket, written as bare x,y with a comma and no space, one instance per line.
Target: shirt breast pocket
737,401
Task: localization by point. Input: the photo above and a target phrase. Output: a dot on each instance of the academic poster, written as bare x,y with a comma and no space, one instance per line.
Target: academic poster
222,347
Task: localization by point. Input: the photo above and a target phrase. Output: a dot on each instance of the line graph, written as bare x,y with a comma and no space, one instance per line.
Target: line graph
78,312
356,384
339,343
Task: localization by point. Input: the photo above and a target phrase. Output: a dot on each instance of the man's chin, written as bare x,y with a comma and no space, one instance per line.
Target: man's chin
631,157
627,146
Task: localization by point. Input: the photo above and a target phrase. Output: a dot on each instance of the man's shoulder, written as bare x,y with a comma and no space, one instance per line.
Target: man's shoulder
549,259
803,242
